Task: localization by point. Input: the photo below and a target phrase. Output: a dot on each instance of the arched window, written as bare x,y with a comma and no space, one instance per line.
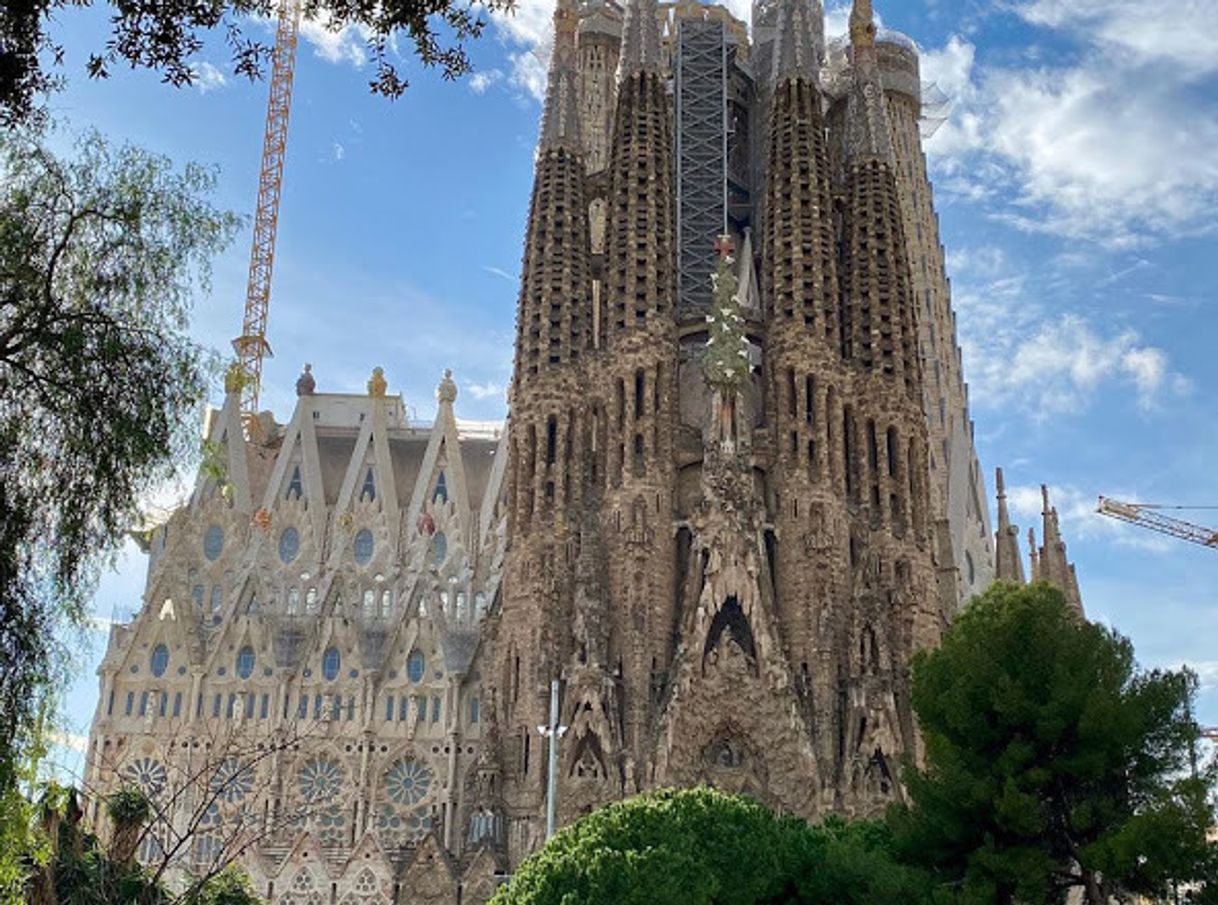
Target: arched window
969,567
289,544
439,547
295,486
160,660
441,493
330,663
245,662
369,603
386,603
293,601
368,491
217,598
197,593
363,546
213,542
479,605
311,600
415,666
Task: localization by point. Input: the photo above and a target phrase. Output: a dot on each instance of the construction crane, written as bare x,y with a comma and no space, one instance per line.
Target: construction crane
251,346
1149,515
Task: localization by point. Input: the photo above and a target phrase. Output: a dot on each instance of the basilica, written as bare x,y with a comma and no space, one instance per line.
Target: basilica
736,491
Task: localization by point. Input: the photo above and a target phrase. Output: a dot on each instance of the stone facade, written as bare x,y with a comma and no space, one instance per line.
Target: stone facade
724,530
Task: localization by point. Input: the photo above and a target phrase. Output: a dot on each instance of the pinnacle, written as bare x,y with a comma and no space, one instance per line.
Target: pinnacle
640,38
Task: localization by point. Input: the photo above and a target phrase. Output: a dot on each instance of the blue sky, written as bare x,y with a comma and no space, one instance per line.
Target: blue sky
1076,180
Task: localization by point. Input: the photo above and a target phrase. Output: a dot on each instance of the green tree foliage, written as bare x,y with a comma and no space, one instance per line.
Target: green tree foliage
1052,761
100,256
699,846
167,36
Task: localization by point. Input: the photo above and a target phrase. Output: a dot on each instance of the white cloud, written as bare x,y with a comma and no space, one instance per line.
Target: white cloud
1020,355
499,272
480,81
1077,516
347,44
1118,148
69,740
528,30
337,152
1187,37
486,390
207,77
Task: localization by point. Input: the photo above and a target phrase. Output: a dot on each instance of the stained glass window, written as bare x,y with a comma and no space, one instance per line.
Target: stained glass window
330,663
295,485
160,660
441,494
439,547
213,542
416,664
289,544
245,662
368,492
363,546
407,782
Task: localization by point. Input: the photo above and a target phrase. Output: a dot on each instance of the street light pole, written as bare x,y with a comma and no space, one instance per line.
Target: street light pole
553,732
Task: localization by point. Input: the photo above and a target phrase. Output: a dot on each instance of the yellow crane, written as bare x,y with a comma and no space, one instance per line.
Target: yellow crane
251,346
1149,515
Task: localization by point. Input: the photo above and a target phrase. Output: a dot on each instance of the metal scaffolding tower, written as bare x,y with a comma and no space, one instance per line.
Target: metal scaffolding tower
700,70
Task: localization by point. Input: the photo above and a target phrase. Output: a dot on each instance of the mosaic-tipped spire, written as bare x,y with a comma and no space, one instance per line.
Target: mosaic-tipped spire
797,40
560,126
1008,564
640,37
867,129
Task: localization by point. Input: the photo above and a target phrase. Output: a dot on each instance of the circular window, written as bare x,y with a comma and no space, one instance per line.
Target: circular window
363,547
330,663
213,542
407,782
415,666
160,660
439,547
245,662
289,544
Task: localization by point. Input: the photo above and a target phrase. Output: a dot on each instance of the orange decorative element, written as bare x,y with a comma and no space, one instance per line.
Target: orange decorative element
261,519
427,524
346,520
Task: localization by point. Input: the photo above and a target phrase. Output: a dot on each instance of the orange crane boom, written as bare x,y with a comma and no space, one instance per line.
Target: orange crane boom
1147,516
251,346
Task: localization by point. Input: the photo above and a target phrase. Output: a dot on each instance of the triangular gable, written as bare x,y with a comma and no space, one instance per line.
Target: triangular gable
443,453
299,453
494,488
226,430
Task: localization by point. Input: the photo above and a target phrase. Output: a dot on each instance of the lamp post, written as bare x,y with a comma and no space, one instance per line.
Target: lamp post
553,732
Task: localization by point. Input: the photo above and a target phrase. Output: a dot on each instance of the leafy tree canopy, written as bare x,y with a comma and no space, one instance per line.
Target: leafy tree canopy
167,35
100,257
1052,761
701,846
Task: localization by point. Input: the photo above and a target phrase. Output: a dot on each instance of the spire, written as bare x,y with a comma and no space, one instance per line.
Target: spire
1033,556
796,44
1009,565
640,273
867,131
560,127
640,38
1055,567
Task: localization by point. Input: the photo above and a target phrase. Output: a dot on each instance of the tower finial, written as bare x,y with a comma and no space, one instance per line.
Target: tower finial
560,114
862,24
1007,562
797,41
640,37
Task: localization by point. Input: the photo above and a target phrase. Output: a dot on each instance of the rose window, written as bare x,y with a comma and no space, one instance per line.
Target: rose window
232,781
146,773
407,782
320,780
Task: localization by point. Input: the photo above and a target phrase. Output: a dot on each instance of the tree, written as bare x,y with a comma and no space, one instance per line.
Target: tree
166,35
78,870
100,256
1052,761
701,846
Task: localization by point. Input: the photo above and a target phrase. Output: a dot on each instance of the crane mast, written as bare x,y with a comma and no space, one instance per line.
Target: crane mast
251,346
1147,516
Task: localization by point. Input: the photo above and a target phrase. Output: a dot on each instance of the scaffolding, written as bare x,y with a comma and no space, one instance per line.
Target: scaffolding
701,89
